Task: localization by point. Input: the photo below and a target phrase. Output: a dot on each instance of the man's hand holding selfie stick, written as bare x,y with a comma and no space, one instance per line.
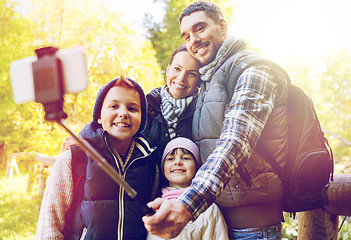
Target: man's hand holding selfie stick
169,220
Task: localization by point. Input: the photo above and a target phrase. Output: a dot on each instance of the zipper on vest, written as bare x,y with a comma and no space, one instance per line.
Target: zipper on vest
121,194
83,234
120,221
121,213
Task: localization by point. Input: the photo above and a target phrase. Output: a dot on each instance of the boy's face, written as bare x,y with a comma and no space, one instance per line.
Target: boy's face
203,36
179,169
183,75
121,113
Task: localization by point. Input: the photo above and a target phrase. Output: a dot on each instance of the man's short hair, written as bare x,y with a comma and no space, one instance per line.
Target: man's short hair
211,10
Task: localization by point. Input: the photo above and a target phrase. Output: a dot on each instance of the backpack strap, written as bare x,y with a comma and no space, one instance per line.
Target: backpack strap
247,62
238,69
78,166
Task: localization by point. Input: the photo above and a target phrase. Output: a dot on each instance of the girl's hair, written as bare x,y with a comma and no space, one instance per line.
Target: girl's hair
185,151
181,48
163,180
184,143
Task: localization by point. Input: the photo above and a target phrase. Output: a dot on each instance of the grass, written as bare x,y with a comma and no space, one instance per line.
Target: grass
19,209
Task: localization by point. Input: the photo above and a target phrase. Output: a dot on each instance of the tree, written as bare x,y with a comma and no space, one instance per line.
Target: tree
165,36
330,91
112,46
15,35
334,101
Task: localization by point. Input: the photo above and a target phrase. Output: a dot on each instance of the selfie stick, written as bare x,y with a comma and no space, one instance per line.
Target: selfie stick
108,169
52,100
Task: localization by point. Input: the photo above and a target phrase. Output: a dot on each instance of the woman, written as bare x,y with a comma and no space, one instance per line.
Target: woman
171,107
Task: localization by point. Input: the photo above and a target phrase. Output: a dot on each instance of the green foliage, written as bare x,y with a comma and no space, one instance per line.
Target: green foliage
113,48
330,90
19,210
289,230
165,36
336,99
14,41
345,228
334,104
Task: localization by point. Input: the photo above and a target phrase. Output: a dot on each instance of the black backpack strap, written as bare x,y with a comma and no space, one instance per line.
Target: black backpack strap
78,166
236,72
271,160
244,64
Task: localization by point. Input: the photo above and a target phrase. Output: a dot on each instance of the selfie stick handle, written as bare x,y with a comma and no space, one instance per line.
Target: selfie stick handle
108,169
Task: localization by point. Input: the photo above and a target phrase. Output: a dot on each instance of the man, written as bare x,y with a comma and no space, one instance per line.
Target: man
230,121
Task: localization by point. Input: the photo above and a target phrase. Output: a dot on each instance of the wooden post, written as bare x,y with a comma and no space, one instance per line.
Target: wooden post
339,194
323,223
14,167
317,224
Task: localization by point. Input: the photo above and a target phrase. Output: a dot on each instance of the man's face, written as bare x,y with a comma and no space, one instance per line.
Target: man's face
203,37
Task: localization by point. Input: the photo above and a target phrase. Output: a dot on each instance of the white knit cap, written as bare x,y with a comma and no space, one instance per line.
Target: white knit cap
186,143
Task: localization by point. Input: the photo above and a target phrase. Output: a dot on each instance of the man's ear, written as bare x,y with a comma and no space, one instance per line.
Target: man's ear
223,26
99,121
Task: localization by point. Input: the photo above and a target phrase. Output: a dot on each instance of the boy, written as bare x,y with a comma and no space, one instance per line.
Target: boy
106,211
180,161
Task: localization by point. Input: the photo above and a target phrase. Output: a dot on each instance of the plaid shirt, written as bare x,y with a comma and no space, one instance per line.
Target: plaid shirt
251,104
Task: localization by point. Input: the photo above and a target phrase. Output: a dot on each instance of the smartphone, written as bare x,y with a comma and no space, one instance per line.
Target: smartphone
74,73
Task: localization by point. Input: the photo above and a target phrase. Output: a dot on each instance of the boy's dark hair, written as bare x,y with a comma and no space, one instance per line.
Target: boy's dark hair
181,48
211,10
121,82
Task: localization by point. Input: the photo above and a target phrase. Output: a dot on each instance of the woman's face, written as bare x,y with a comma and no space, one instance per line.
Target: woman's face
183,75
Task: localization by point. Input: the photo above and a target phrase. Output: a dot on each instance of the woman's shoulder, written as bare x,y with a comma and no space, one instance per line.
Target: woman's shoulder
154,93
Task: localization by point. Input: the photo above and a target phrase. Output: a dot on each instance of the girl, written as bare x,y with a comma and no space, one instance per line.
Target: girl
180,161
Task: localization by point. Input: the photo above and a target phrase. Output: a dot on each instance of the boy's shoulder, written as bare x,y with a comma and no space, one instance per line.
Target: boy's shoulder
143,145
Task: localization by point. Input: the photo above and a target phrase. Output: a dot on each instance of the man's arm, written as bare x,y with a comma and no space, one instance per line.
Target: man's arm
251,104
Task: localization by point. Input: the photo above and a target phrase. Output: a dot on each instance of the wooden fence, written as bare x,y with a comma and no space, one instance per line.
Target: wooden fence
322,224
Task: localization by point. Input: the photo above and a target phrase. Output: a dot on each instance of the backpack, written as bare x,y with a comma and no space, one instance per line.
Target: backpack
309,166
78,166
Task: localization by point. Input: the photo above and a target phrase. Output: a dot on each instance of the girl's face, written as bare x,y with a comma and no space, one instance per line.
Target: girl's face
179,168
121,114
183,75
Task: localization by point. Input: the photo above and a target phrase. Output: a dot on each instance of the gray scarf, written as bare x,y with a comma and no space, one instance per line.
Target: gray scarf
229,47
172,109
